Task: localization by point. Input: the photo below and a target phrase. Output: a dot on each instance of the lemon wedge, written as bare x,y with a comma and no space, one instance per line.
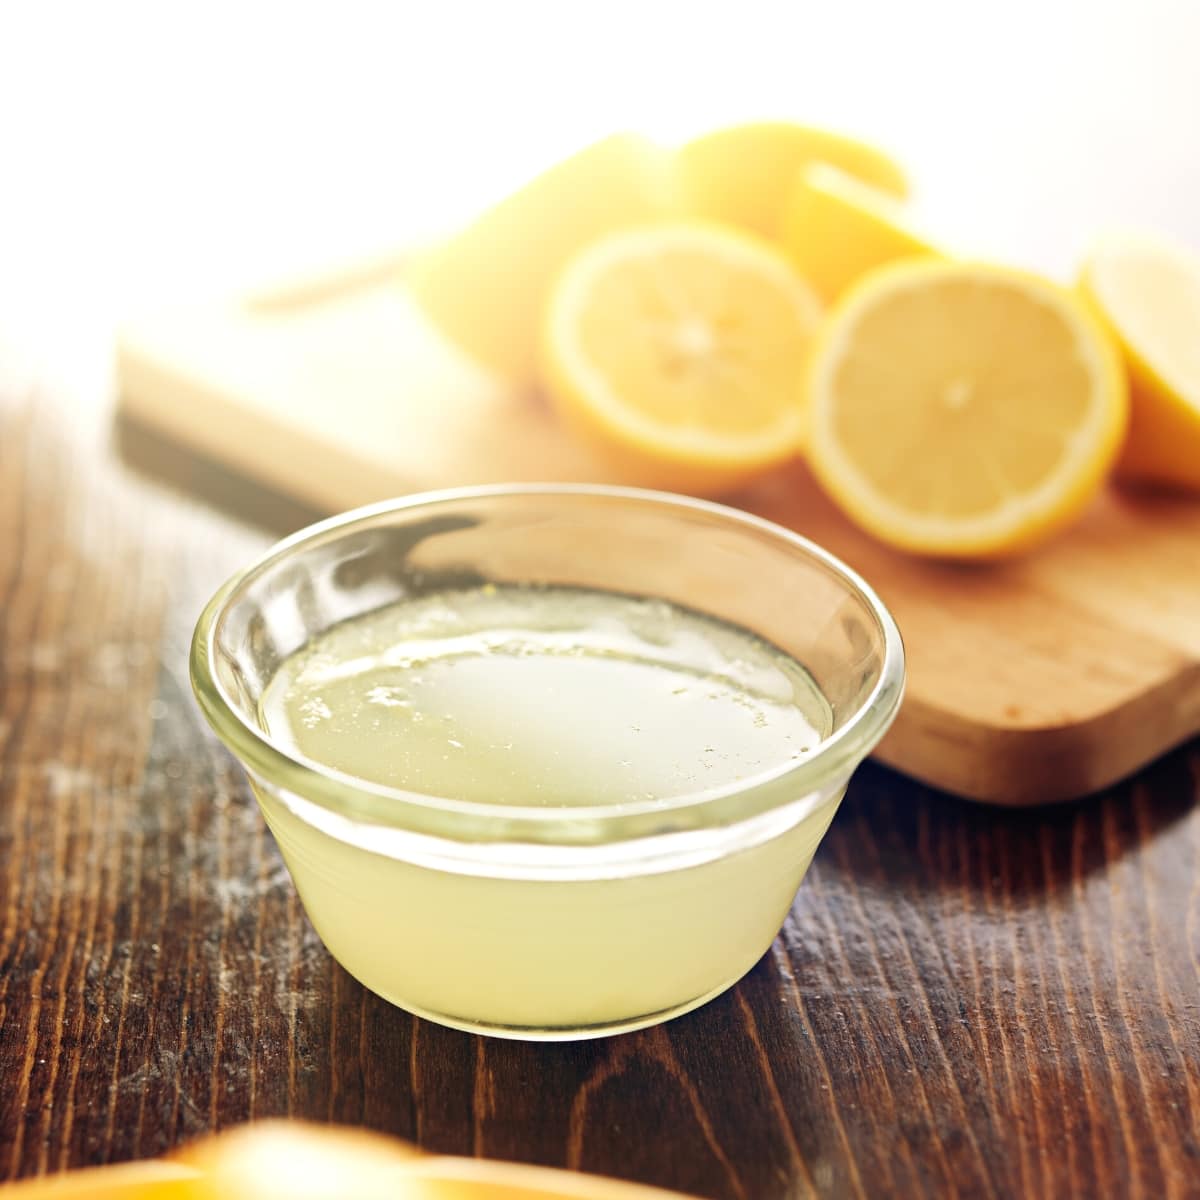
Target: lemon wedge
679,349
1147,292
836,229
486,286
741,174
963,410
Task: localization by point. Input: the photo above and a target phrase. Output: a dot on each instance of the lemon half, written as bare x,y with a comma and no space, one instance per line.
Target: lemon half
963,410
680,349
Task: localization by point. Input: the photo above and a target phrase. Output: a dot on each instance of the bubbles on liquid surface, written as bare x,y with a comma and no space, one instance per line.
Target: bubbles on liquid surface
549,696
313,711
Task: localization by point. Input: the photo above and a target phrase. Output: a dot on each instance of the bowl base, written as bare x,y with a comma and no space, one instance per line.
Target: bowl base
554,1033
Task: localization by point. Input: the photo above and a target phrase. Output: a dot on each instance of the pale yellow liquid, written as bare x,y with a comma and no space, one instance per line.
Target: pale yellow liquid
545,697
552,698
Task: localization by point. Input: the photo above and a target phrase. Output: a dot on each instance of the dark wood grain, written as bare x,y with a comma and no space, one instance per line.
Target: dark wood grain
963,1002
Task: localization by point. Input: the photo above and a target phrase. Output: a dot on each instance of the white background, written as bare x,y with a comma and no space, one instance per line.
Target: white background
155,151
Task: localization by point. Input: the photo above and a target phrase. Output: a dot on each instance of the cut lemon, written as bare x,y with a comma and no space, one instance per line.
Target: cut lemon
1148,294
963,410
836,228
680,348
486,286
741,174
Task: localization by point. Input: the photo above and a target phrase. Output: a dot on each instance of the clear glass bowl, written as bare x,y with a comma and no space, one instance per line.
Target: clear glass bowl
545,922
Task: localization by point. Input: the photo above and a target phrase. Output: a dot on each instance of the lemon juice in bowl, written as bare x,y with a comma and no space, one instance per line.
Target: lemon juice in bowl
539,760
544,696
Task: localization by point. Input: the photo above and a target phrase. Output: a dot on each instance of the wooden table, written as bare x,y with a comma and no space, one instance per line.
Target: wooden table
964,1001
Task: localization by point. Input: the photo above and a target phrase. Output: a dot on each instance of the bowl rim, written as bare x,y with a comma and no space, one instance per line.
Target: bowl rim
365,803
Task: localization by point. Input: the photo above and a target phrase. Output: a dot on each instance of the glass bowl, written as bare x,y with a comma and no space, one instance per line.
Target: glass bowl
549,922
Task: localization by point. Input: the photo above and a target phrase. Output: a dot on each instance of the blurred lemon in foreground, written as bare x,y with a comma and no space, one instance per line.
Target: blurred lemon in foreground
273,1160
836,228
742,174
1148,293
680,348
295,1160
486,286
962,410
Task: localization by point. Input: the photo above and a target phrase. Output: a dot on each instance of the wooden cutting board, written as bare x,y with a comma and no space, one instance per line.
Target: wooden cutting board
1028,682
